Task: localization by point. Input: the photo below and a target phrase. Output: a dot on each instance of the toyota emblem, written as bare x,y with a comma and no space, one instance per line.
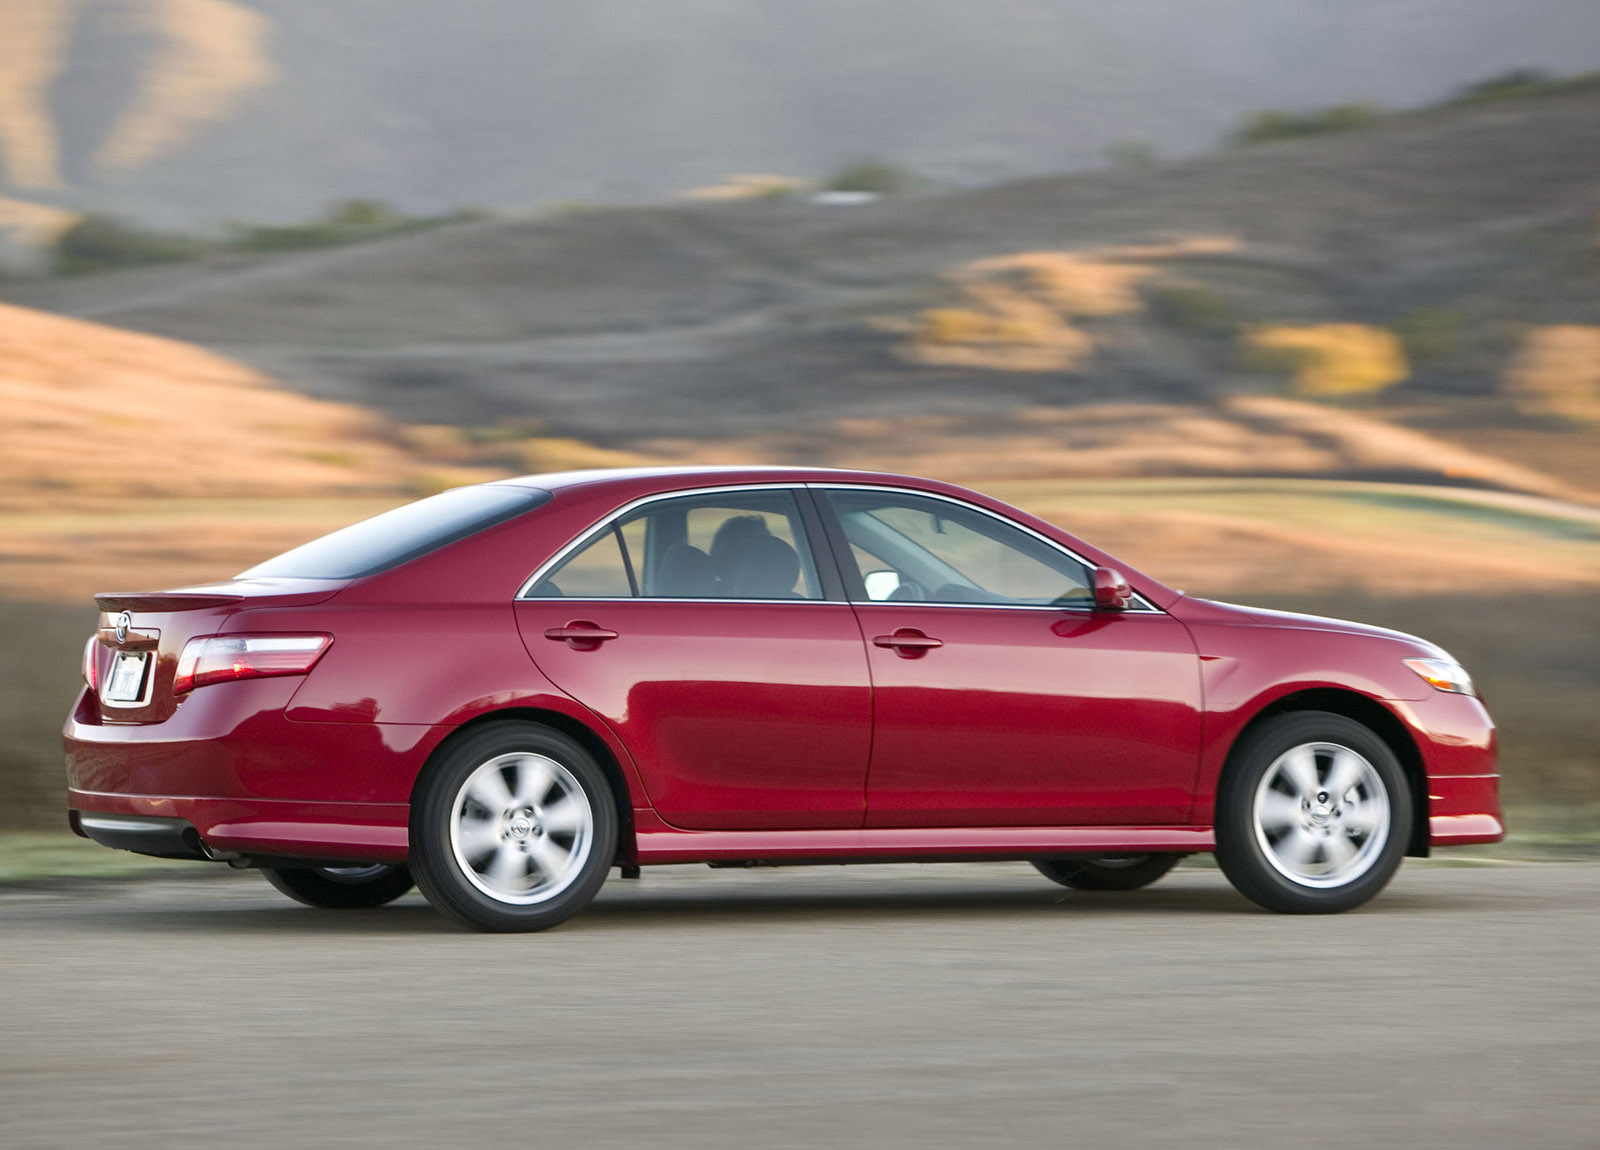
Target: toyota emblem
124,621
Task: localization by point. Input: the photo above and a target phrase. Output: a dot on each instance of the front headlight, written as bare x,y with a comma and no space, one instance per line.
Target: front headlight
1443,674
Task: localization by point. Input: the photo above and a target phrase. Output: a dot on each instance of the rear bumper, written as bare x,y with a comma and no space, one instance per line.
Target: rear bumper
211,828
244,779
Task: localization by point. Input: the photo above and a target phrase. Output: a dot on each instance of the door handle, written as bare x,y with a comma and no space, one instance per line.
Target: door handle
580,634
908,642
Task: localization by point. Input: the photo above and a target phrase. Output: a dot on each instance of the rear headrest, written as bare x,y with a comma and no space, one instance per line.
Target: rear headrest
729,543
685,573
768,570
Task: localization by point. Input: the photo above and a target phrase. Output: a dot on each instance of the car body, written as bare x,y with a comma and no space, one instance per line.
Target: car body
757,665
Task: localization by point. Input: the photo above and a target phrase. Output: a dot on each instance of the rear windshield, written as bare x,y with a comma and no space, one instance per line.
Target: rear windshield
405,533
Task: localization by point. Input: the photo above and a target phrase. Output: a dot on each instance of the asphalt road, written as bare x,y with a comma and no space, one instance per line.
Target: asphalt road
930,1006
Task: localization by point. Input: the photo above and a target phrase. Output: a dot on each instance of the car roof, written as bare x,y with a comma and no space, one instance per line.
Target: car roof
712,476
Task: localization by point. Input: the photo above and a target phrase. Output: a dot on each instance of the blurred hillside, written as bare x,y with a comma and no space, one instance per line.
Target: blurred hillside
1413,302
1417,300
181,112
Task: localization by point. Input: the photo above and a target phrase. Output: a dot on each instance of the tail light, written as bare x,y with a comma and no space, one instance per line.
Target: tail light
219,658
91,664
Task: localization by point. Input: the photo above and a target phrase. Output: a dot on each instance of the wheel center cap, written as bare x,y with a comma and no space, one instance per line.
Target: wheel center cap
520,827
1320,814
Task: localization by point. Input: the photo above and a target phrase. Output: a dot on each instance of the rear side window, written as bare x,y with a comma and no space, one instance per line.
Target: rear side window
406,533
728,545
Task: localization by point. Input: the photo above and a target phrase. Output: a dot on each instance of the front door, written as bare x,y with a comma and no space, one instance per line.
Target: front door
1002,698
697,627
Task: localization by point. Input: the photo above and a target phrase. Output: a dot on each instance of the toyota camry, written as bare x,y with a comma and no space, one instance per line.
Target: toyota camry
502,692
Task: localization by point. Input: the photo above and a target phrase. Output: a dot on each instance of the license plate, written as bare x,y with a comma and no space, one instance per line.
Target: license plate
126,682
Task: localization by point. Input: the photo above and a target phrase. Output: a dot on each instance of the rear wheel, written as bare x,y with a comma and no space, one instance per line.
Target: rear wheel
1107,872
513,829
341,887
1313,814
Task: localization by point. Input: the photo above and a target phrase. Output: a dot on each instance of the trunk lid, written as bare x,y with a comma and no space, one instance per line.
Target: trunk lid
141,634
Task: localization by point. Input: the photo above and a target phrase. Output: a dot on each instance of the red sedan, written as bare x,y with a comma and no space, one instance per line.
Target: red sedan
504,691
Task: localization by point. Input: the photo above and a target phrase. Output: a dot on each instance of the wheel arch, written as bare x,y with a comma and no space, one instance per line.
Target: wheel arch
1375,717
585,736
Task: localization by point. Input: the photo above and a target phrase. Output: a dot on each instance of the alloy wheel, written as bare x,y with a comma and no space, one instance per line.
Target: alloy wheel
521,828
1321,815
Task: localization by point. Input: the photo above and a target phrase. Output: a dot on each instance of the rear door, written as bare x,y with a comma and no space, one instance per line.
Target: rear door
705,632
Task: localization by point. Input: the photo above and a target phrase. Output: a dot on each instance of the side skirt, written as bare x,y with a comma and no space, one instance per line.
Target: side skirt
658,843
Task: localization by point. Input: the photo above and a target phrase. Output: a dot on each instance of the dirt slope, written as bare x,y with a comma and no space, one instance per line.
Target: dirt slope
96,413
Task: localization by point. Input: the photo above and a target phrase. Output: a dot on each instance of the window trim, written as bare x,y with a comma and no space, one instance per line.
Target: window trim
821,553
816,512
838,539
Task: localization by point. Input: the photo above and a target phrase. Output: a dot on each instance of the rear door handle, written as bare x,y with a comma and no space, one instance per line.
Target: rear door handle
580,634
908,642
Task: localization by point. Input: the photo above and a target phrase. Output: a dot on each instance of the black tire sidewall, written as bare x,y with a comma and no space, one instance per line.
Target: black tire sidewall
310,886
1086,874
1240,855
433,861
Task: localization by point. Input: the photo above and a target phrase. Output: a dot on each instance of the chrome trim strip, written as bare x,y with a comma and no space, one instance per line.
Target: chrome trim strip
1054,609
138,824
676,599
604,524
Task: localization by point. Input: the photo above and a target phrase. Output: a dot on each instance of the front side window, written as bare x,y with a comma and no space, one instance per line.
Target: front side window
730,545
910,548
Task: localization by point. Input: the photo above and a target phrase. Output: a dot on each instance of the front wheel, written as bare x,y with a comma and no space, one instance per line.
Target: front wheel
1106,872
341,887
513,829
1313,814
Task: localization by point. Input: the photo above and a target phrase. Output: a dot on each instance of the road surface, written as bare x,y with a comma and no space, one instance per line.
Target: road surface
933,1006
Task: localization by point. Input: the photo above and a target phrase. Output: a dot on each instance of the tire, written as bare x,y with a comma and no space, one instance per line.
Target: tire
1107,872
513,828
1313,814
341,887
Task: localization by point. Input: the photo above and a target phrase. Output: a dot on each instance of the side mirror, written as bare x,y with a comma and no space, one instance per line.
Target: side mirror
881,584
1111,590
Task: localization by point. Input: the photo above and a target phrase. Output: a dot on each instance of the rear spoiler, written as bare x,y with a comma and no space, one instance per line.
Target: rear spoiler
163,600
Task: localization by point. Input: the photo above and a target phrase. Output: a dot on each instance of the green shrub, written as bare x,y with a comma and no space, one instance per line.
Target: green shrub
1193,308
1429,335
1520,84
369,214
98,243
348,222
878,177
1275,125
